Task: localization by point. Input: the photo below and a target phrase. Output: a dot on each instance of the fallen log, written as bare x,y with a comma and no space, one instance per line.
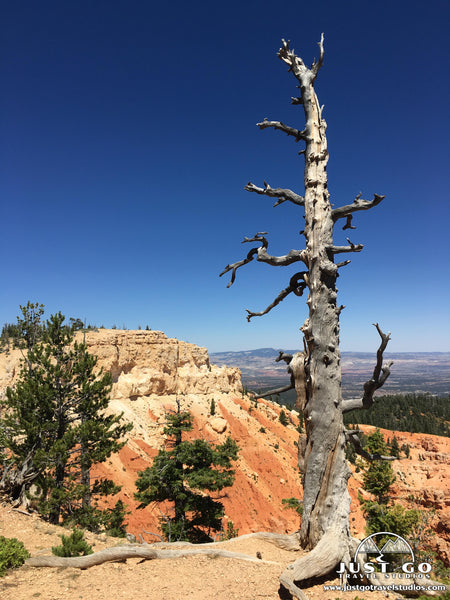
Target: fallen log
120,553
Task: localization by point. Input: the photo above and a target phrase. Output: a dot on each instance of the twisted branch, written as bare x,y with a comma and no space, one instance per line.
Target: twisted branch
297,284
358,204
380,374
235,266
348,223
262,256
279,193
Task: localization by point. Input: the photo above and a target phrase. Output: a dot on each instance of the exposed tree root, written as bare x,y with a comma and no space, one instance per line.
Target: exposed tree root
120,553
330,550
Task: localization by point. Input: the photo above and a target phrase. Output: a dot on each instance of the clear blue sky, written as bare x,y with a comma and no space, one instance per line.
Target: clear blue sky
128,133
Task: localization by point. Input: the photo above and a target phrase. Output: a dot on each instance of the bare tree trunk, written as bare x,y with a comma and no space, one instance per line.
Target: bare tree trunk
317,371
326,502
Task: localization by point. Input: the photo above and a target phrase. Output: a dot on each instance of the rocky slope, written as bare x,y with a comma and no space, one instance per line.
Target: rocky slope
151,371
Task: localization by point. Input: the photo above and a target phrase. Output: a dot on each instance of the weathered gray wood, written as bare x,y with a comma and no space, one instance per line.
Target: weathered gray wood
282,194
119,553
297,285
317,372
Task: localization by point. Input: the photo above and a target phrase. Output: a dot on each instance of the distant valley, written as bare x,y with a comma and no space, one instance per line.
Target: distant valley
411,371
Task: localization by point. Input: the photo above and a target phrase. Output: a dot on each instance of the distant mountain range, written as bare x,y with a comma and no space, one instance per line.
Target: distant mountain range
411,371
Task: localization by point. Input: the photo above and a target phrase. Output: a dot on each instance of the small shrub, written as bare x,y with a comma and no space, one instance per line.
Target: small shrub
231,531
12,554
212,407
283,418
293,503
262,430
73,545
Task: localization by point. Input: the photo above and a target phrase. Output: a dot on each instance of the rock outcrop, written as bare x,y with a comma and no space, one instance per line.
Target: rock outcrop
143,363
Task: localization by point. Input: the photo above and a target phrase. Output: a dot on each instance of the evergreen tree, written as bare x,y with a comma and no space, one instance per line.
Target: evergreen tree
180,473
28,329
415,413
29,326
394,447
379,476
55,428
380,514
406,449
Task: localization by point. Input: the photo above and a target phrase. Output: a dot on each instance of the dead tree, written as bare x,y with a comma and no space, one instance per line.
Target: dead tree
317,370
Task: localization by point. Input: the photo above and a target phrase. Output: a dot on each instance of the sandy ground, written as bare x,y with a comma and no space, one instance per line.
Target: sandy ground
188,578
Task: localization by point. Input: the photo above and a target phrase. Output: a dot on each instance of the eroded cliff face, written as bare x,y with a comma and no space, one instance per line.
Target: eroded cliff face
143,363
151,372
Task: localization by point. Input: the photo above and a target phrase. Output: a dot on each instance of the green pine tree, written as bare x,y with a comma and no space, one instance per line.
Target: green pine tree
29,326
55,427
380,514
179,475
379,476
394,447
